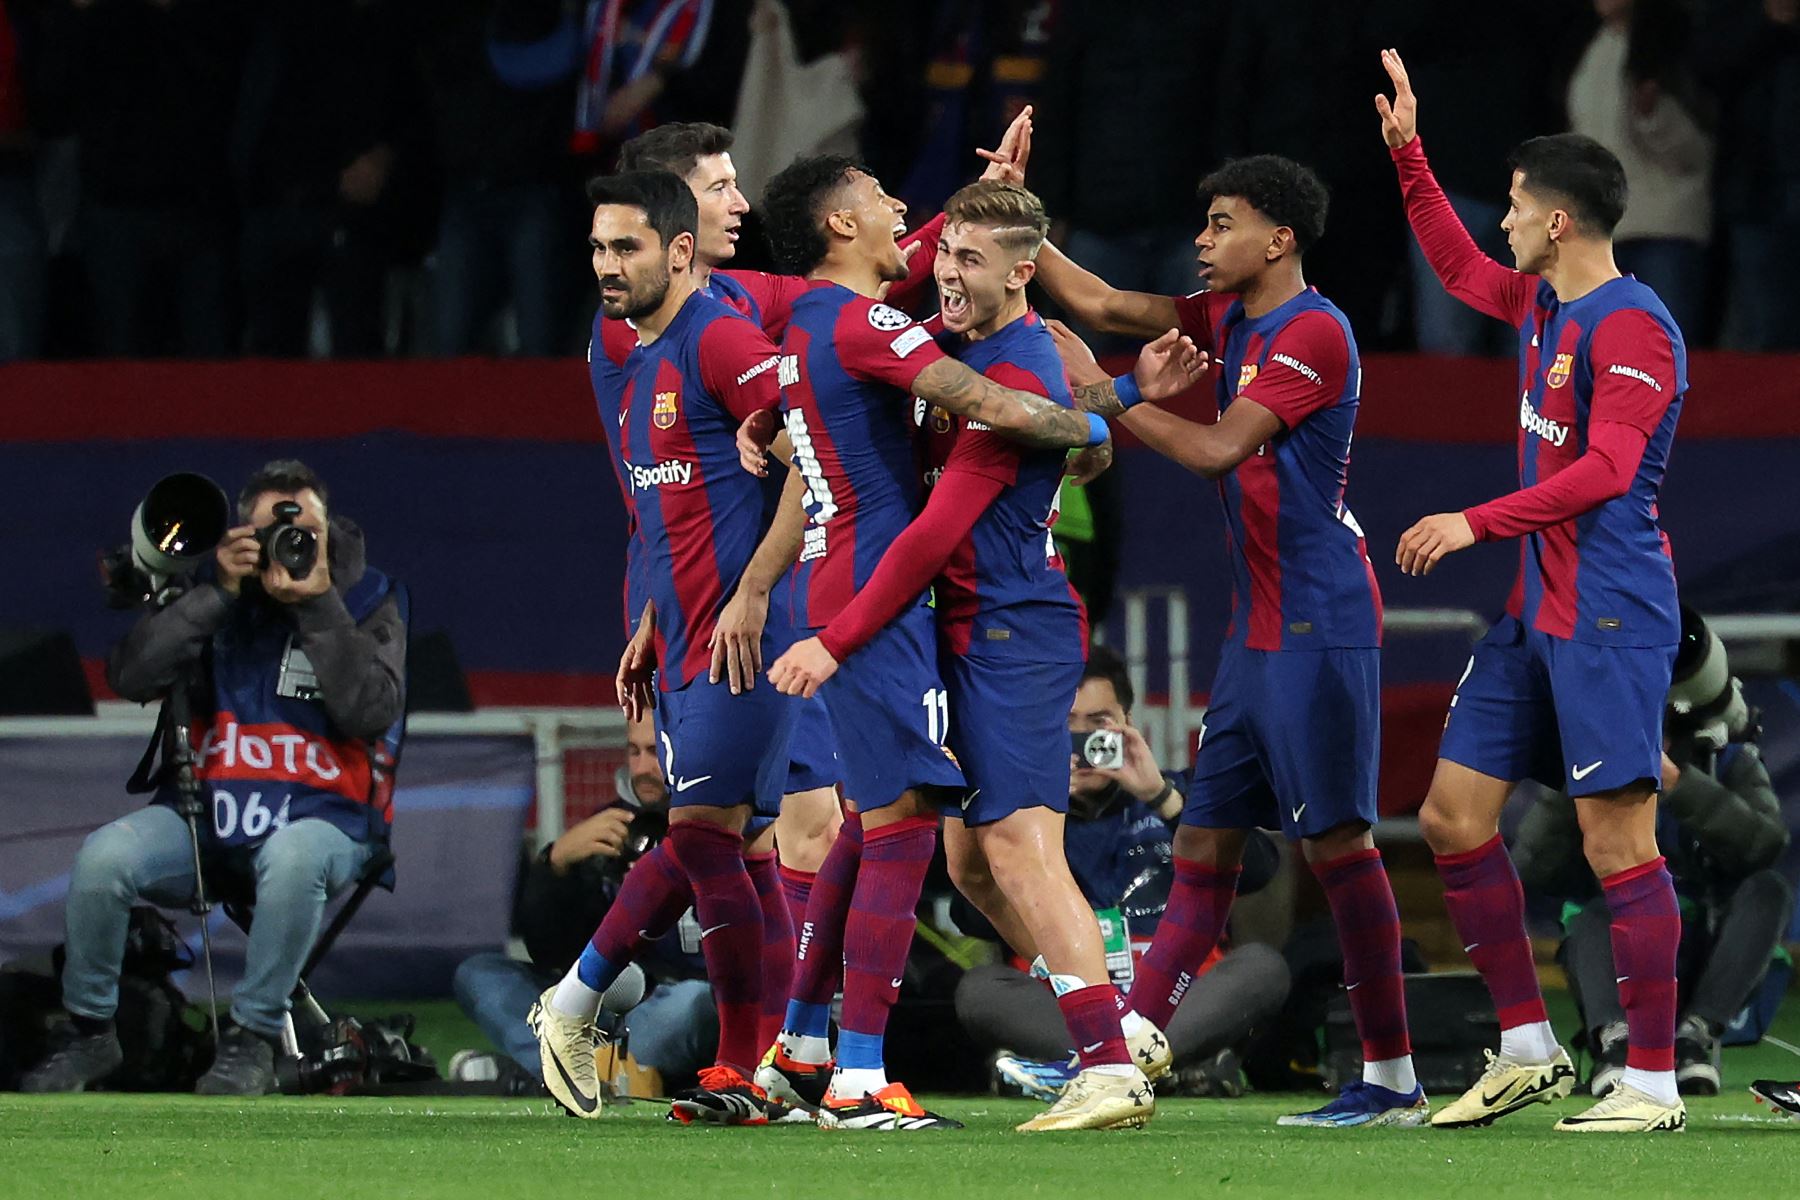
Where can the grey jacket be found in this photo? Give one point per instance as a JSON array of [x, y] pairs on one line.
[[361, 667]]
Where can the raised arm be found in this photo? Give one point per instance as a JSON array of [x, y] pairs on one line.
[[1461, 267]]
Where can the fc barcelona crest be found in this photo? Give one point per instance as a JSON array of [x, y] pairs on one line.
[[1246, 376], [664, 411], [1559, 370], [940, 419]]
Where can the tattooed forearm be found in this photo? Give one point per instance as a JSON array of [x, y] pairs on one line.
[[1019, 416], [1100, 398]]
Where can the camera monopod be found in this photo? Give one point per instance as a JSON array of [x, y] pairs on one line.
[[179, 754]]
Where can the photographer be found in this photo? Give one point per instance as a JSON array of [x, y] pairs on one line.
[[1719, 826], [296, 686], [1118, 839], [565, 890]]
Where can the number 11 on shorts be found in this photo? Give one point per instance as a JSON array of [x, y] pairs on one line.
[[937, 714]]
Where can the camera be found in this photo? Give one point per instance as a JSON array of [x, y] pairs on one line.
[[284, 542], [176, 526], [1102, 749]]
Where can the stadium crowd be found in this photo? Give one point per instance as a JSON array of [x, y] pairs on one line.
[[356, 178]]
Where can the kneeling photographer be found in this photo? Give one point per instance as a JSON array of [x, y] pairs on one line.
[[288, 652], [1719, 825]]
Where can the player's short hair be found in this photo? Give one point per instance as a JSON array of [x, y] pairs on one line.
[[288, 475], [1104, 664], [665, 198], [1578, 170], [675, 147], [1013, 215], [794, 207], [1278, 188]]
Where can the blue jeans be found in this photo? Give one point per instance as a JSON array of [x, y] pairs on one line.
[[1159, 261], [22, 270], [146, 856], [1442, 323], [497, 243], [675, 1030], [1675, 268]]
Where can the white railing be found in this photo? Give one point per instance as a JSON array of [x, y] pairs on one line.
[[551, 730]]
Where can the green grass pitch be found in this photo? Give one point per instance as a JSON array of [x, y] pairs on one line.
[[193, 1148]]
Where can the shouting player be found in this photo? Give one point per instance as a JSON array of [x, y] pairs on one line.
[[848, 363], [1012, 642], [670, 416], [1568, 686], [1292, 731]]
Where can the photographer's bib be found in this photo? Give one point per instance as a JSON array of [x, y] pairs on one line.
[[268, 755]]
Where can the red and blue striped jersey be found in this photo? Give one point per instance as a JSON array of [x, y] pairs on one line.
[[1301, 577], [671, 415], [1601, 380], [1003, 593], [847, 368], [1616, 356]]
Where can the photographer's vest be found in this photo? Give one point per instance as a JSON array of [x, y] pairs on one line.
[[269, 755]]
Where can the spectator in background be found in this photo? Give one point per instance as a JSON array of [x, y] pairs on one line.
[[500, 84], [149, 87], [1633, 93], [1124, 134], [1495, 76], [21, 223], [318, 127], [1748, 52], [564, 892], [1119, 840]]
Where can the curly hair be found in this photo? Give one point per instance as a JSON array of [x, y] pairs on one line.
[[793, 209], [1278, 188]]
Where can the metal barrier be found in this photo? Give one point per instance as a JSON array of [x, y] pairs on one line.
[[552, 731]]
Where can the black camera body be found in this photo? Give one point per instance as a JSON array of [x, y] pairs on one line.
[[295, 548]]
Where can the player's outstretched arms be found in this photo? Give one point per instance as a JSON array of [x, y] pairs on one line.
[[1022, 417], [1458, 262], [636, 664], [736, 641], [1166, 367], [1097, 304]]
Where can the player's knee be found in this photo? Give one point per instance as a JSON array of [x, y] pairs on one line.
[[1449, 828], [1612, 850]]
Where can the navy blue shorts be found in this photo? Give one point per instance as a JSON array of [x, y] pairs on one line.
[[1009, 727], [891, 714], [812, 749], [1571, 715], [720, 750], [1291, 740]]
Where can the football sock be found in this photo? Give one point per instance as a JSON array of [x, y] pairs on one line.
[[731, 935], [797, 886], [1092, 1015], [819, 948], [777, 946], [878, 934], [1487, 907], [850, 1084], [1368, 928], [1394, 1074], [651, 899], [1646, 929], [1199, 901]]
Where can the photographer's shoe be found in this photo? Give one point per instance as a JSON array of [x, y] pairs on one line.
[[76, 1062], [1505, 1087], [1099, 1099], [1627, 1110], [1696, 1058], [243, 1066], [724, 1097], [567, 1046]]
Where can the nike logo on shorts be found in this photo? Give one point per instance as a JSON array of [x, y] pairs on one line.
[[682, 785], [1298, 811], [1580, 773]]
